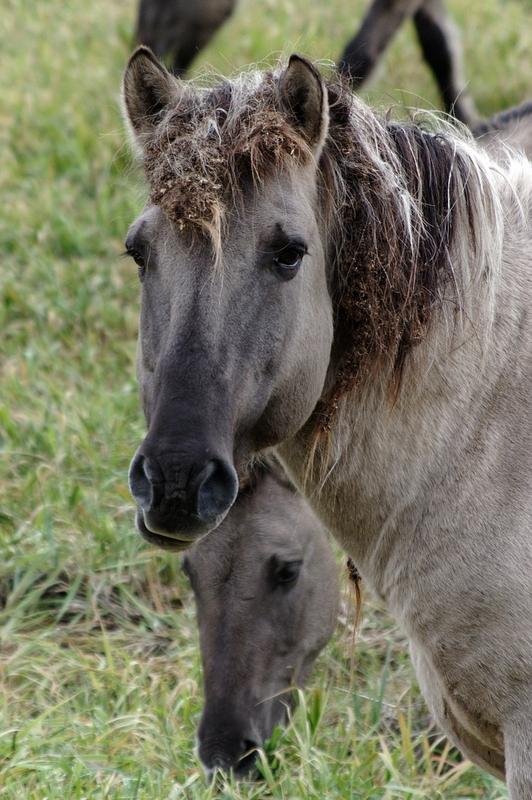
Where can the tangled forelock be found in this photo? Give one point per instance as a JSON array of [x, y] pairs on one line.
[[212, 144]]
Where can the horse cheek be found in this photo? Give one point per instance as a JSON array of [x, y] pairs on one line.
[[153, 321]]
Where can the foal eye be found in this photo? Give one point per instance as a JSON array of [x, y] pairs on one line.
[[288, 571]]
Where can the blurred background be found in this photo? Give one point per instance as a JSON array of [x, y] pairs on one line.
[[99, 662]]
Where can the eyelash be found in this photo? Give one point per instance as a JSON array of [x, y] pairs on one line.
[[139, 260], [284, 260]]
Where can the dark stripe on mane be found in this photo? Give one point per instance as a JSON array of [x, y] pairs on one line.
[[392, 233], [504, 119]]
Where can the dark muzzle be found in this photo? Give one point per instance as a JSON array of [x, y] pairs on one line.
[[234, 755], [178, 502]]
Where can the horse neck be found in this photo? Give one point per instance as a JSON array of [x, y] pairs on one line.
[[394, 436], [371, 475]]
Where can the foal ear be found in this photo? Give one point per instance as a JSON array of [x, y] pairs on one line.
[[304, 99], [147, 90]]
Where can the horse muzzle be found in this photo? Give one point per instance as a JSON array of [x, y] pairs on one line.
[[229, 753], [176, 506]]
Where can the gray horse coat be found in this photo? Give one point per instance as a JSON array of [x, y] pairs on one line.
[[356, 293]]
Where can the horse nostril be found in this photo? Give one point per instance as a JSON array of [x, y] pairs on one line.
[[140, 481], [218, 488], [249, 746], [247, 761], [212, 492]]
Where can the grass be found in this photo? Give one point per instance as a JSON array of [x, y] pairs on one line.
[[100, 676]]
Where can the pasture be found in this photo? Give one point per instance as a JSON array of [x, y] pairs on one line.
[[100, 678]]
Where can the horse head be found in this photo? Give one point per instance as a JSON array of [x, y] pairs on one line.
[[236, 320]]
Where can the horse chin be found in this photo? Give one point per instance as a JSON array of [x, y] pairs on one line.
[[246, 772], [245, 768], [180, 539]]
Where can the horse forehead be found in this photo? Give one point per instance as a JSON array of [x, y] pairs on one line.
[[155, 230], [198, 162], [152, 228], [246, 551], [280, 203], [146, 224], [285, 196]]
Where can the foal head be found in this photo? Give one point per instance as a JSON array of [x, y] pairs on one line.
[[266, 590]]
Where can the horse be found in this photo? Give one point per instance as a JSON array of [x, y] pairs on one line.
[[353, 293], [439, 41], [179, 29], [267, 597], [513, 126]]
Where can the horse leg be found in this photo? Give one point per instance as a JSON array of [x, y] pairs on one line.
[[518, 754], [441, 50], [378, 27], [192, 39], [195, 35]]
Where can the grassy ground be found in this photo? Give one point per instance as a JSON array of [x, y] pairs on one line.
[[100, 680]]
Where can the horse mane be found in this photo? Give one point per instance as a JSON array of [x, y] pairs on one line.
[[409, 203], [404, 205]]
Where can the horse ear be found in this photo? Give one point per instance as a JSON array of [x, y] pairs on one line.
[[147, 90], [304, 100]]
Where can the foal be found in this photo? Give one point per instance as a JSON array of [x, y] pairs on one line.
[[266, 590]]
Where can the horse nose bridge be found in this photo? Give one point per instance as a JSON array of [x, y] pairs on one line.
[[182, 475], [199, 371], [196, 353], [191, 401]]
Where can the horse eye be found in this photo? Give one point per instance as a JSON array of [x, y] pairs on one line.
[[139, 261], [288, 571], [290, 258]]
